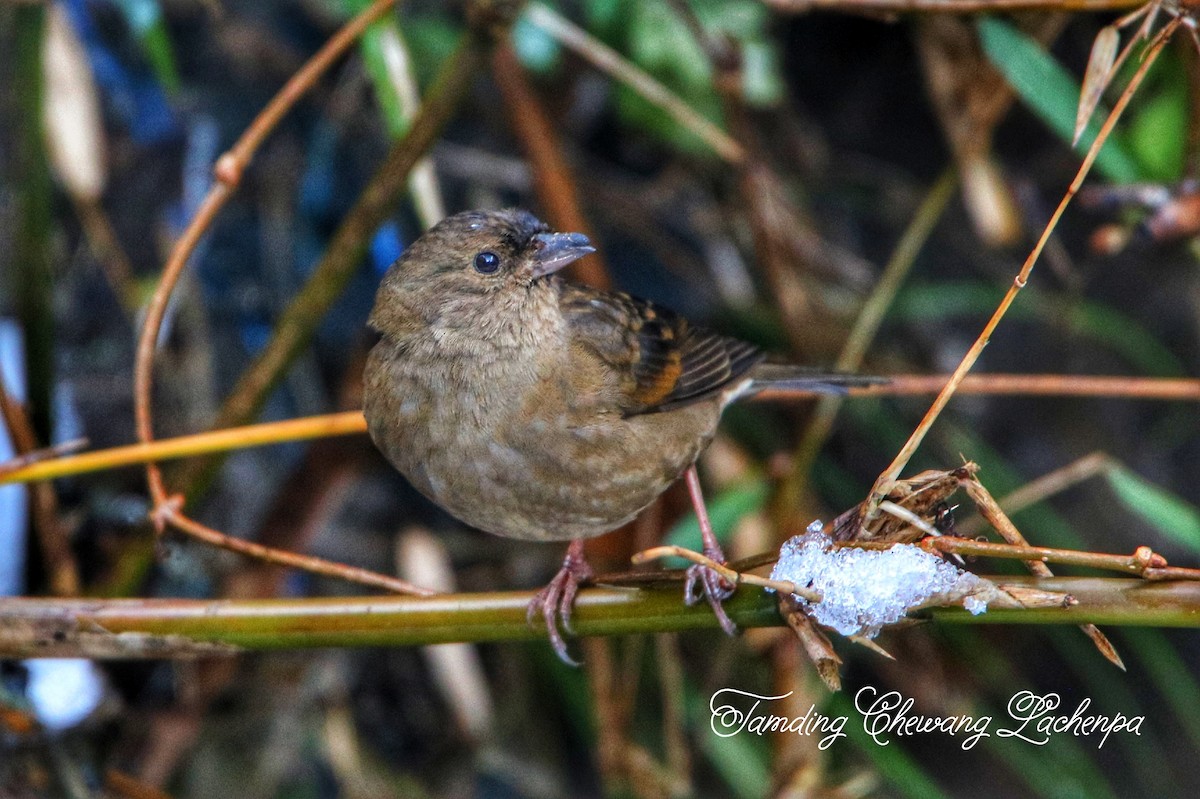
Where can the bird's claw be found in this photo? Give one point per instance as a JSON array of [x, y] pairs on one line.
[[557, 600], [705, 583]]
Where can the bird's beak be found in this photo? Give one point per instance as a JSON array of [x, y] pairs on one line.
[[553, 251]]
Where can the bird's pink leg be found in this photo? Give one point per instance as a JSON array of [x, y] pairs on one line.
[[557, 599], [712, 586]]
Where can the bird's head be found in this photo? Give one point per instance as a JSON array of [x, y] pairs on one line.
[[469, 267]]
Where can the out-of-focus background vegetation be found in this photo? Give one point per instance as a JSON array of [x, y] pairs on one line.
[[112, 113]]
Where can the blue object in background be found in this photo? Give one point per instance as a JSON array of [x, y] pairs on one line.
[[61, 692], [135, 96], [386, 246], [14, 498]]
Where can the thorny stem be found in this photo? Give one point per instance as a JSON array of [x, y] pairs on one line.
[[51, 464], [892, 472]]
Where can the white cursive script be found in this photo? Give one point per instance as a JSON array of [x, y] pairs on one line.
[[889, 714], [1037, 723], [730, 719]]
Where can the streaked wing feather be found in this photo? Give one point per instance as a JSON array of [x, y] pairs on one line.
[[661, 361]]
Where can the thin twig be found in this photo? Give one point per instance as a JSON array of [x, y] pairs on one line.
[[1056, 482], [1144, 562], [280, 557], [61, 567], [228, 171], [234, 438], [299, 320], [892, 472], [670, 550], [27, 459], [990, 510], [904, 514], [1149, 388]]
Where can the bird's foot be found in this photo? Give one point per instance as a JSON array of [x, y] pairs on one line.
[[705, 583], [712, 586], [557, 599]]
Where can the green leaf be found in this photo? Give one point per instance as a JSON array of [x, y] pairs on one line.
[[1175, 518], [742, 760], [431, 40], [372, 46], [1158, 127], [1052, 93], [905, 773], [1083, 318]]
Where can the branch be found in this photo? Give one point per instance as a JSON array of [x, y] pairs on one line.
[[166, 628]]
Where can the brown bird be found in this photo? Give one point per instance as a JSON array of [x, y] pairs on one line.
[[538, 409]]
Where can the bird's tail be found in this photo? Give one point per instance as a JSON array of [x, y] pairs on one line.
[[787, 377]]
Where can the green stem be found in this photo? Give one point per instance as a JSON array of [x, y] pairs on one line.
[[34, 278], [159, 628]]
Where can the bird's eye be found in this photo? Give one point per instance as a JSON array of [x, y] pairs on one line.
[[487, 262]]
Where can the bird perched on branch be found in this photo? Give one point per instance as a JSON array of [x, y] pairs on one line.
[[534, 408]]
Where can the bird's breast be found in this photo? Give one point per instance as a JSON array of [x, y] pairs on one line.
[[524, 450]]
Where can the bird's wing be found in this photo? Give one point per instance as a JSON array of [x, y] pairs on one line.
[[658, 360]]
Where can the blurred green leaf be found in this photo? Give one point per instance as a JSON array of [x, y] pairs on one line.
[[1158, 127], [653, 35], [1175, 518], [1082, 318], [904, 772], [372, 46], [1169, 674], [431, 41], [762, 84], [1052, 93], [741, 760], [603, 16]]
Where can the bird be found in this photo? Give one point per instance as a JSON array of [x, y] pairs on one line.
[[535, 408]]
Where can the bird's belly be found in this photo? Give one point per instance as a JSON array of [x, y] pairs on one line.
[[541, 479]]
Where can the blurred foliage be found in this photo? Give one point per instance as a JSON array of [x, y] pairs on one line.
[[1053, 94]]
